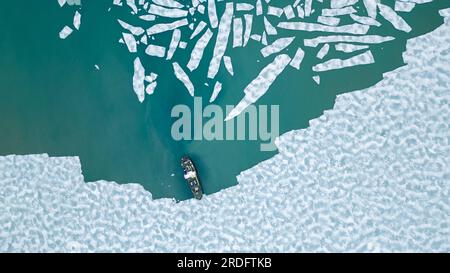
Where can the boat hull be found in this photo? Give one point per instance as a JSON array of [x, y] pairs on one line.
[[191, 177]]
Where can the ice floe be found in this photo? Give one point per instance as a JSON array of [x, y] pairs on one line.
[[184, 78], [308, 7], [397, 21], [163, 27], [326, 20], [404, 6], [61, 2], [198, 29], [155, 50], [298, 58], [167, 12], [244, 7], [138, 80], [274, 11], [371, 7], [274, 28], [325, 200], [338, 12], [212, 13], [130, 41], [132, 29], [228, 64], [132, 5], [151, 78], [337, 4], [323, 51], [237, 32], [365, 20], [289, 12], [349, 48], [271, 30], [174, 42], [222, 40], [148, 17], [259, 8], [316, 79], [367, 39], [151, 88], [277, 46], [65, 32], [361, 59], [259, 86], [169, 3], [350, 29], [197, 52], [216, 91], [77, 20], [248, 19]]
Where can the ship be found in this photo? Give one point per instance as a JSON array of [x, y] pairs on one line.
[[191, 177]]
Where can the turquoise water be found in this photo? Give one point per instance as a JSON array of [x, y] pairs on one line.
[[52, 100]]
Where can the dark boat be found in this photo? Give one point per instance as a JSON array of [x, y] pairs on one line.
[[191, 176]]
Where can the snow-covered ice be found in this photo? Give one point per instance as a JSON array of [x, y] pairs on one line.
[[167, 12], [331, 21], [137, 31], [138, 79], [65, 32], [274, 11], [289, 12], [130, 41], [228, 64], [248, 19], [174, 42], [350, 29], [155, 50], [197, 52], [337, 4], [298, 58], [216, 91], [244, 7], [222, 40], [212, 13], [370, 175], [151, 88], [404, 6], [259, 86], [198, 29], [371, 7], [183, 77], [237, 32], [163, 27], [366, 39], [365, 20], [271, 30], [276, 46], [323, 51], [338, 12], [390, 15], [348, 48], [360, 59], [77, 20], [316, 78]]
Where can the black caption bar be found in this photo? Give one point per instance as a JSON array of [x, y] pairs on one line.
[[216, 262]]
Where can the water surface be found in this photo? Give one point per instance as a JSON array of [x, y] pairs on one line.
[[53, 101]]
